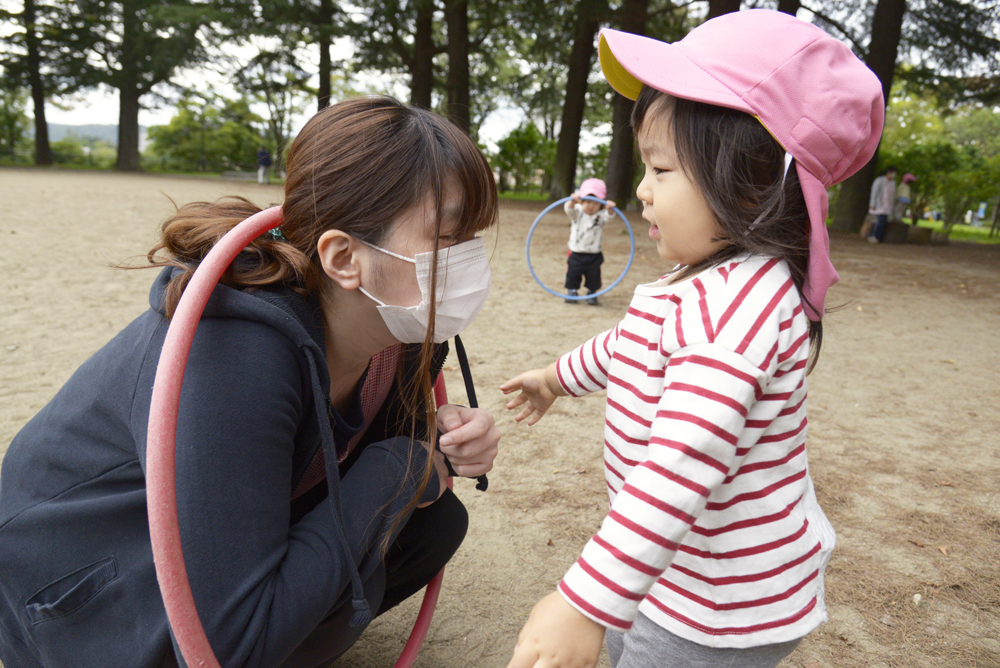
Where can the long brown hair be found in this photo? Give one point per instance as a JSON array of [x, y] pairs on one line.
[[738, 167], [356, 167]]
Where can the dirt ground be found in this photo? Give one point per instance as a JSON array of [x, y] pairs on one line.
[[903, 441]]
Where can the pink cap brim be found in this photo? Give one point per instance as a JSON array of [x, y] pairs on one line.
[[629, 61], [821, 272]]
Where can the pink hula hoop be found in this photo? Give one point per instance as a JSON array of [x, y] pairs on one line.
[[161, 490]]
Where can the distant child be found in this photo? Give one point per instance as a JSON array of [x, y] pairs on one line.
[[587, 221], [903, 193], [714, 548]]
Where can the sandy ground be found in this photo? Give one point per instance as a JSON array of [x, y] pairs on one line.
[[904, 416]]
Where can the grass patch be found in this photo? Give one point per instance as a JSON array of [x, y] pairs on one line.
[[524, 197], [961, 232]]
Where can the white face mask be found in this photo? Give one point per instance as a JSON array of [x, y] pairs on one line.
[[463, 283]]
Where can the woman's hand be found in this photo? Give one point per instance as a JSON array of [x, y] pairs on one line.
[[539, 389], [470, 439], [557, 635]]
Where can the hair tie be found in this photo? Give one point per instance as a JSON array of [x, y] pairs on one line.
[[276, 234]]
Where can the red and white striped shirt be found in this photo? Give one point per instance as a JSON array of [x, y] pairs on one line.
[[714, 531]]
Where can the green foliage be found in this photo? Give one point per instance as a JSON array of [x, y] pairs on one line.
[[208, 133], [911, 118], [977, 127], [929, 162], [14, 122], [136, 44], [977, 180], [593, 163], [956, 42], [277, 80], [524, 156], [83, 152], [951, 150]]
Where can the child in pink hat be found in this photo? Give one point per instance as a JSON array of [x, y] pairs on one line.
[[587, 221], [714, 548]]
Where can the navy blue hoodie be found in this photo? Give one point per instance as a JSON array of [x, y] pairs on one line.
[[77, 582]]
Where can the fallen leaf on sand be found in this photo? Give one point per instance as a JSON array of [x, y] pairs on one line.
[[916, 542], [550, 542], [947, 361], [943, 550]]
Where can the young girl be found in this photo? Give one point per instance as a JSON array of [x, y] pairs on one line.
[[308, 500], [714, 548]]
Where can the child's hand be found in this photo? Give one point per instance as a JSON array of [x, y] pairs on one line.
[[539, 389], [557, 636], [470, 439], [611, 205]]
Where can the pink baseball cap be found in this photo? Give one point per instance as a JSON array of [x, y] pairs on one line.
[[595, 187], [908, 177], [821, 103]]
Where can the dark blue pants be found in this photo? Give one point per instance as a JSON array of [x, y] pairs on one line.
[[879, 230], [586, 267], [424, 545]]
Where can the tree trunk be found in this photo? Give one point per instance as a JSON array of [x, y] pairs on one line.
[[43, 152], [720, 7], [789, 6], [128, 130], [325, 65], [422, 71], [887, 26], [995, 228], [128, 96], [457, 17], [581, 57], [621, 158]]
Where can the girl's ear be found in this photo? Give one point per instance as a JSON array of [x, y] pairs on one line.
[[339, 259]]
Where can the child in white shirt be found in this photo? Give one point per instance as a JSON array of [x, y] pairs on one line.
[[587, 221]]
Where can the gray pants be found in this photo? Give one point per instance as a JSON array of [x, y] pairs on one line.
[[647, 645]]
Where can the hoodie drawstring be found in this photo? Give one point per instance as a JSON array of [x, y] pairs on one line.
[[362, 611]]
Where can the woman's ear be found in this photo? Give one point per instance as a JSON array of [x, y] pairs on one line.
[[337, 256]]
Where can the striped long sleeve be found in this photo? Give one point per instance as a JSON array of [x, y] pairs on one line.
[[713, 530]]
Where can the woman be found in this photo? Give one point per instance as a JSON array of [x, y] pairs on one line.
[[320, 345]]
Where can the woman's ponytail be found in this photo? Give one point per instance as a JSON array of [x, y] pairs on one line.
[[193, 230]]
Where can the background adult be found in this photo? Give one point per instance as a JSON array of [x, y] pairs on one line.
[[263, 164], [881, 202]]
